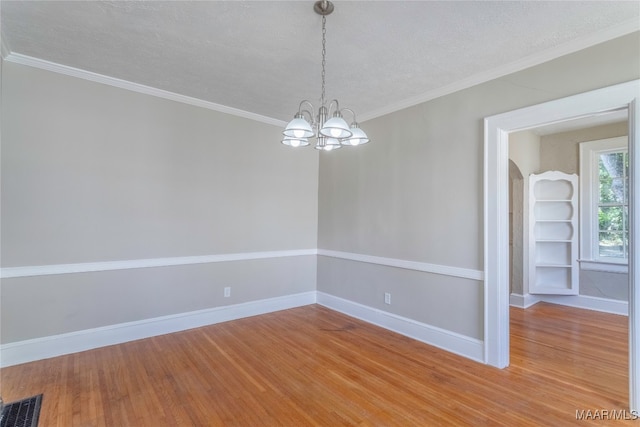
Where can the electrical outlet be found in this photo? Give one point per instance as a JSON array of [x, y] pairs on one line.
[[227, 292], [387, 298]]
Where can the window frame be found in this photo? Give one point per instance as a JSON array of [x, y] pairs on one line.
[[590, 152]]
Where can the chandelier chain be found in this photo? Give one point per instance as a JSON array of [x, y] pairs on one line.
[[324, 52], [330, 130]]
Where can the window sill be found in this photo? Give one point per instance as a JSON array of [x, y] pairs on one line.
[[609, 267]]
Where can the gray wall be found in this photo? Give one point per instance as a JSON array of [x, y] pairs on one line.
[[560, 151], [415, 192], [93, 173], [524, 155]]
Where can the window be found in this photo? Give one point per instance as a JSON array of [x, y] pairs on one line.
[[604, 204], [613, 172]]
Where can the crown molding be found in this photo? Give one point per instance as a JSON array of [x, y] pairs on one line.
[[135, 87], [524, 63], [611, 33]]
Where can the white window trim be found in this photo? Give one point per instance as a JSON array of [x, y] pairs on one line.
[[589, 187], [609, 267]]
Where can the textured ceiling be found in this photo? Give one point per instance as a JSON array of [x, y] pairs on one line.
[[264, 57]]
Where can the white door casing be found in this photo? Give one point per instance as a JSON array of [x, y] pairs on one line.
[[496, 209]]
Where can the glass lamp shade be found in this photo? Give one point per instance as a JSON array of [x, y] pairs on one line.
[[327, 144], [298, 128], [336, 127], [295, 142], [357, 138]]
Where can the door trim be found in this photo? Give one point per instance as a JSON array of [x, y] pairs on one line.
[[496, 211]]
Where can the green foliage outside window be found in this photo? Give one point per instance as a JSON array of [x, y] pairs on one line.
[[613, 204]]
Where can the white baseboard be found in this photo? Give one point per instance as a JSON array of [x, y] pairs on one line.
[[57, 345], [579, 301], [450, 341], [590, 303], [523, 301]]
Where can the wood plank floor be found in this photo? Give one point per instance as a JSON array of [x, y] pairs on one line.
[[313, 366]]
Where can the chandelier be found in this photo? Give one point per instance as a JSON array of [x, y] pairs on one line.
[[328, 127]]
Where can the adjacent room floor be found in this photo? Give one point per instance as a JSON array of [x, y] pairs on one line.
[[314, 366]]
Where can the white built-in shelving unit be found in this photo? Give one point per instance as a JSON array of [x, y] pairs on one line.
[[553, 233]]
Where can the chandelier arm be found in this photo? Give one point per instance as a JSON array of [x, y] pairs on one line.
[[352, 113], [328, 126], [309, 113], [300, 110], [337, 108], [304, 101]]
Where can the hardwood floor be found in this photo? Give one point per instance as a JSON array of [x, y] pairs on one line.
[[313, 366]]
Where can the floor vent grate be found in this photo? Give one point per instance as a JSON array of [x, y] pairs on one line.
[[23, 413]]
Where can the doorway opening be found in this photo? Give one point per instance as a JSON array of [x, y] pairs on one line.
[[497, 129], [570, 252]]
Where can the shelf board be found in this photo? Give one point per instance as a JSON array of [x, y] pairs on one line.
[[553, 224]]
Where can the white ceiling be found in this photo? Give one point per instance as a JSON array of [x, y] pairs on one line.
[[264, 57]]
